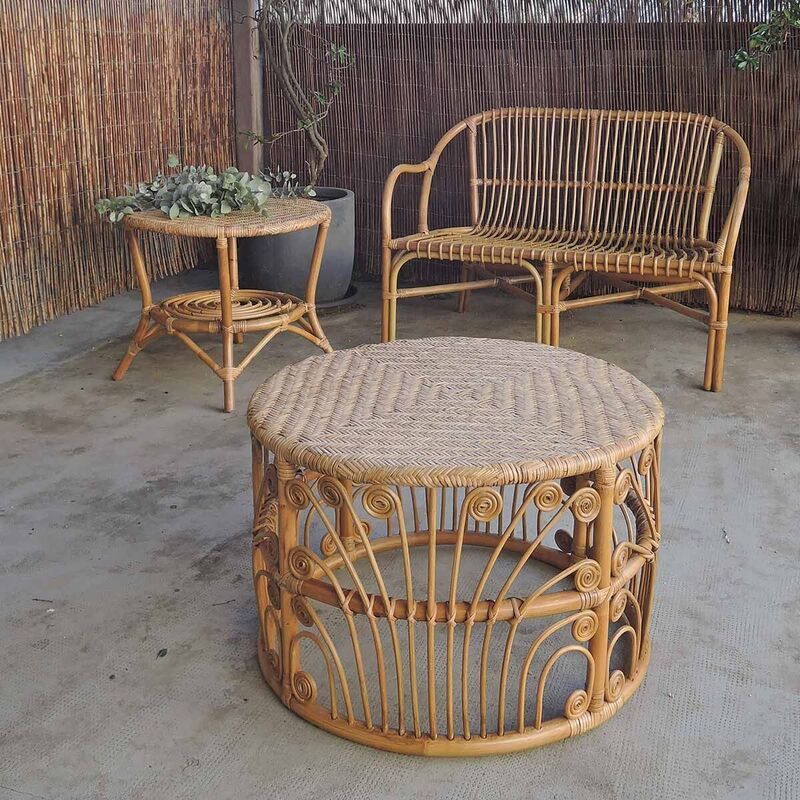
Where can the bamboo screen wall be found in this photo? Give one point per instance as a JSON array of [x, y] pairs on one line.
[[94, 94], [422, 66]]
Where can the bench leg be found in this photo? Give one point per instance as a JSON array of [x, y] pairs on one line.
[[721, 331], [463, 297], [386, 266], [546, 308], [555, 320], [390, 294]]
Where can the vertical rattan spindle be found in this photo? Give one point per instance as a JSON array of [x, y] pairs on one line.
[[580, 530], [602, 548], [287, 539]]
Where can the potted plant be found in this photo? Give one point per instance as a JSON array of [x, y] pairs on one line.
[[280, 263]]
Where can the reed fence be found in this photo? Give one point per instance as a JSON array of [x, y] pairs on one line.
[[422, 67], [94, 94]]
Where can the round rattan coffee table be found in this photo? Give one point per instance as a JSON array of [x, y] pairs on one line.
[[230, 312], [455, 542]]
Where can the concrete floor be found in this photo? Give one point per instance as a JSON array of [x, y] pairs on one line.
[[124, 510]]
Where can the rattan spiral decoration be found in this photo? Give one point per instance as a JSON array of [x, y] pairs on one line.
[[615, 685], [330, 491], [577, 704], [622, 486], [548, 496], [328, 545], [585, 626], [301, 611], [379, 501], [619, 559], [304, 687], [297, 493], [646, 460], [271, 548], [619, 603], [484, 504], [585, 504], [587, 576], [301, 563]]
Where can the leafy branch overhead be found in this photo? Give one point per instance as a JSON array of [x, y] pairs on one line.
[[769, 36], [285, 39]]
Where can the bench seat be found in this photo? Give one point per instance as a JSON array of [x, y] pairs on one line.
[[583, 251]]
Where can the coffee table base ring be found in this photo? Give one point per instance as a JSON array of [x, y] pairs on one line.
[[550, 732]]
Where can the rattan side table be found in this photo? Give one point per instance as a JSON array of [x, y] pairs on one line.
[[230, 311], [454, 542]]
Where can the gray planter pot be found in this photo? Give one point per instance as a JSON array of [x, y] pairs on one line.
[[280, 263]]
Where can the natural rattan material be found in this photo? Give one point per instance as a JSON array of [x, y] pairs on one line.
[[282, 216], [380, 472], [558, 193], [231, 311], [454, 412]]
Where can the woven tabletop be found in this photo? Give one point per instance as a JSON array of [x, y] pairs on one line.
[[282, 216], [454, 412]]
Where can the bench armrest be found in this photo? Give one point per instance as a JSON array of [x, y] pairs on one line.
[[388, 192], [726, 244]]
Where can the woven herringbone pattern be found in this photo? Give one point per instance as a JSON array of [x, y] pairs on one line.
[[454, 412]]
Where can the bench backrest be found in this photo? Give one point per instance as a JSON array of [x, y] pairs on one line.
[[632, 174]]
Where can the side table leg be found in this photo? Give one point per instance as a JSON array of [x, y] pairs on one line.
[[233, 262], [227, 323], [311, 286], [140, 333]]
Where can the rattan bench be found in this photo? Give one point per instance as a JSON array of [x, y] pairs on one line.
[[558, 194]]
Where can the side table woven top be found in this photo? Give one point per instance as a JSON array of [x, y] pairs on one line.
[[282, 216], [454, 412]]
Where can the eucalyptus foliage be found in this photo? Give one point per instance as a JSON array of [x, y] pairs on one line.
[[286, 184], [192, 192]]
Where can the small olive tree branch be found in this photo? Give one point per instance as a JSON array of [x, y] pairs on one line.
[[279, 27], [769, 36]]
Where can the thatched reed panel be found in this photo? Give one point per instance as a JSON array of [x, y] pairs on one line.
[[421, 67], [94, 94]]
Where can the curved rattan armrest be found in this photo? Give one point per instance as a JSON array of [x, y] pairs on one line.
[[726, 244], [388, 193]]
